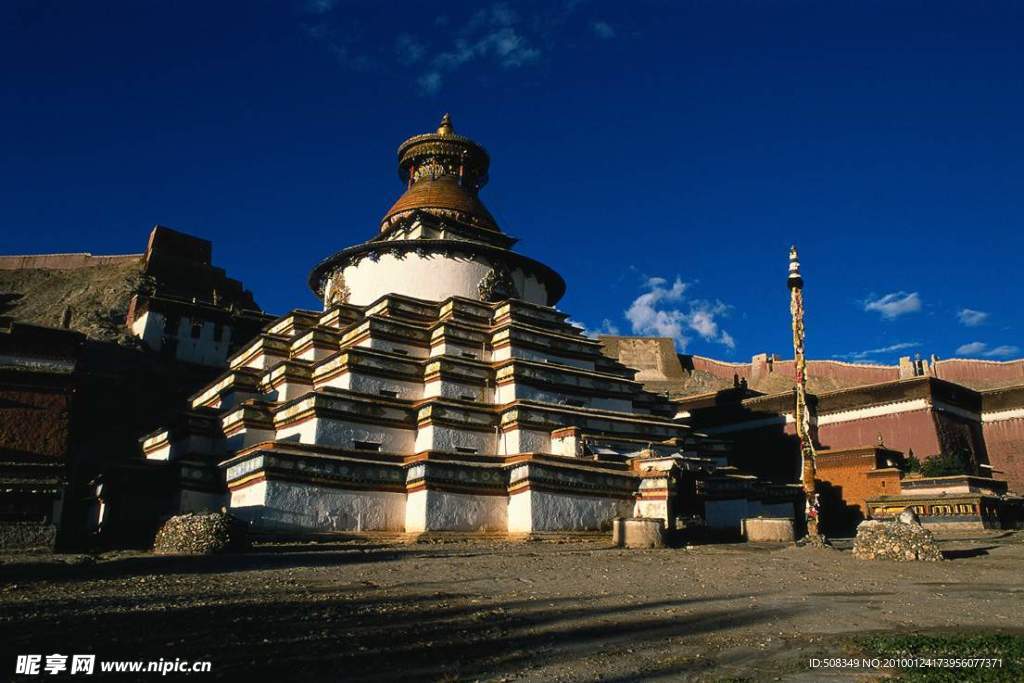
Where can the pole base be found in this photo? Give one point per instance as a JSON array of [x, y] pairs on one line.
[[814, 541]]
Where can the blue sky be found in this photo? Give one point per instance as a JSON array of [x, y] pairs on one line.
[[662, 156]]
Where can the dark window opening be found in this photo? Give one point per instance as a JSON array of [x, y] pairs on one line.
[[467, 397], [467, 354], [576, 403], [400, 352], [171, 325], [467, 451], [366, 446], [197, 329], [218, 332], [388, 393]]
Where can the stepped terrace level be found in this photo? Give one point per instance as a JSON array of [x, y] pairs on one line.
[[413, 415]]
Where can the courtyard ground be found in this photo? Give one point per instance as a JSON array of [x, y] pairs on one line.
[[557, 610]]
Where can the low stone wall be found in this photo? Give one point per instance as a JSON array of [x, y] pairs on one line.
[[894, 541], [27, 536]]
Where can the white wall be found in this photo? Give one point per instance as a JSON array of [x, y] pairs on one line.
[[524, 441], [387, 346], [655, 509], [512, 391], [280, 504], [204, 350], [444, 438], [513, 351], [448, 348], [342, 434], [444, 511], [247, 437], [434, 278], [726, 514], [465, 392], [542, 511]]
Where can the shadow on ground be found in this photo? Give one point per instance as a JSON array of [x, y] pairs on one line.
[[303, 632]]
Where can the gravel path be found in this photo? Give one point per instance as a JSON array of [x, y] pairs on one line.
[[496, 610]]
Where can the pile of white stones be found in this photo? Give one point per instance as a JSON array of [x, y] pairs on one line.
[[201, 534], [902, 540]]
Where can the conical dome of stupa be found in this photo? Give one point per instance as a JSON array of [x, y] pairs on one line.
[[443, 172]]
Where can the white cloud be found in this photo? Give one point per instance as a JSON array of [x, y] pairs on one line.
[[408, 49], [893, 305], [603, 30], [429, 82], [981, 349], [320, 6], [606, 327], [650, 314], [971, 318], [864, 355], [493, 35], [972, 349], [338, 45]]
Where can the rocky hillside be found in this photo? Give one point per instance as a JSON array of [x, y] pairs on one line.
[[98, 296]]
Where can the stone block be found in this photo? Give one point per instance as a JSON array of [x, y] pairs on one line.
[[640, 532], [768, 530]]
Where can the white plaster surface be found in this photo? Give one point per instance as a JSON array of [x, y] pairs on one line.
[[524, 441], [520, 515], [458, 390], [445, 438], [306, 506], [389, 346], [434, 278], [445, 511], [653, 509], [247, 437], [514, 351], [448, 348], [543, 511], [203, 350]]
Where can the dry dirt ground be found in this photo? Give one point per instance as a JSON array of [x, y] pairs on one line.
[[533, 611]]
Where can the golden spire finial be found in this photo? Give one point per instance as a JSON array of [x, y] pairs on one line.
[[446, 127]]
